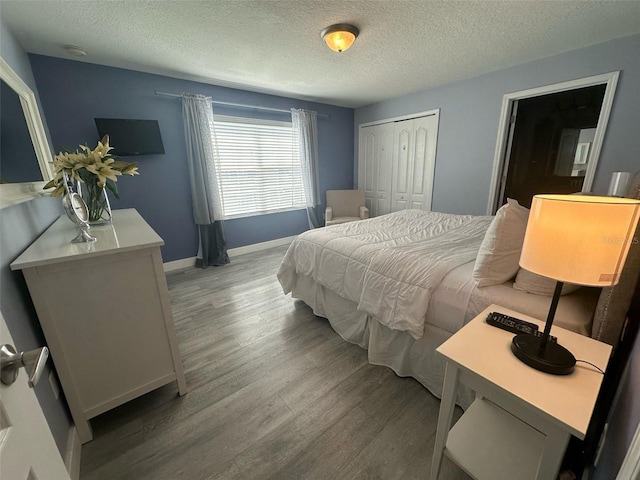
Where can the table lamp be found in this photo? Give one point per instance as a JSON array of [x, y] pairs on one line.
[[577, 239]]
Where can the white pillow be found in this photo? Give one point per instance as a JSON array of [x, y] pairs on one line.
[[499, 255], [531, 282]]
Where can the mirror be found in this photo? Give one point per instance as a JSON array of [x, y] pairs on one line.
[[25, 167], [573, 155]]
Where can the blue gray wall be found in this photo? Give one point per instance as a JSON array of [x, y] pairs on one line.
[[74, 93], [20, 225], [470, 113]]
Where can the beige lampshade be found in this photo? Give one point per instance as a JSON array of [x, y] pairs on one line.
[[579, 239], [340, 37]]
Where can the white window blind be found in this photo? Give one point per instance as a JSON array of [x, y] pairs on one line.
[[259, 166]]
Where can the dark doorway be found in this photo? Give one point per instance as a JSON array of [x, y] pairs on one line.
[[551, 142]]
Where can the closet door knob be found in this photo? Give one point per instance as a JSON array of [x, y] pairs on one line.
[[11, 361]]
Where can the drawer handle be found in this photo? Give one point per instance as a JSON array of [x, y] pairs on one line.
[[11, 361]]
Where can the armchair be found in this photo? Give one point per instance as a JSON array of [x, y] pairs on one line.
[[345, 206]]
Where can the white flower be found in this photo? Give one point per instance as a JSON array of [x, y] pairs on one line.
[[95, 166]]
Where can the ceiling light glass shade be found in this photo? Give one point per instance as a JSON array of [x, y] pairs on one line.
[[579, 239], [339, 37]]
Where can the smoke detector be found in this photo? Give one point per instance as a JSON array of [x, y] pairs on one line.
[[75, 51]]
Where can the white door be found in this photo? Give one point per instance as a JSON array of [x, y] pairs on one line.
[[414, 157], [27, 448], [425, 132], [505, 169], [374, 175], [384, 151], [403, 140], [366, 166]]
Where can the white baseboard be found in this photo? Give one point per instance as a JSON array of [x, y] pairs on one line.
[[178, 264], [256, 247], [72, 453], [233, 252]]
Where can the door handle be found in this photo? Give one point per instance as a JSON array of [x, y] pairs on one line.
[[11, 361]]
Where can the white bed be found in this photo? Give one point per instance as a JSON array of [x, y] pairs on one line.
[[401, 284]]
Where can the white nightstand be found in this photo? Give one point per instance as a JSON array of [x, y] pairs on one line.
[[521, 421]]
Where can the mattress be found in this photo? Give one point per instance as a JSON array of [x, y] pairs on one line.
[[458, 300], [389, 266]]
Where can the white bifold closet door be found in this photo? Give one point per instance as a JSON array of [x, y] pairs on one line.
[[413, 163], [376, 149], [397, 163]]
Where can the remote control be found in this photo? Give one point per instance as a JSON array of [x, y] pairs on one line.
[[510, 324], [515, 325]]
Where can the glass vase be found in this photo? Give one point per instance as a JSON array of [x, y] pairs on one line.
[[97, 202]]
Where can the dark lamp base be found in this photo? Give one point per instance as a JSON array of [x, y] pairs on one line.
[[554, 359]]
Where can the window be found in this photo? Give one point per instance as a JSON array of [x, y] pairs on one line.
[[259, 166]]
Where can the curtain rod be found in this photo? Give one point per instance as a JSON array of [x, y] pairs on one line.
[[237, 105]]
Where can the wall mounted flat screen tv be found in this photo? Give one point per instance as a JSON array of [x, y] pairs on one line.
[[131, 137]]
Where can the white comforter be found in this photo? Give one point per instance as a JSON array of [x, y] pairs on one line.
[[388, 265]]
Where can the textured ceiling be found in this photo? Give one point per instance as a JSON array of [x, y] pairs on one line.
[[274, 46]]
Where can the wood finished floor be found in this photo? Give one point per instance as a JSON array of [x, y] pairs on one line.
[[274, 393]]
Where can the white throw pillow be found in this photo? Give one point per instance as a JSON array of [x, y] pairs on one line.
[[531, 282], [499, 255]]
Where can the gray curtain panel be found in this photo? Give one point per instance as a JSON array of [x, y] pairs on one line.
[[305, 126], [203, 164], [213, 245]]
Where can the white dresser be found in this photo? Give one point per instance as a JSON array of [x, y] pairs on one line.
[[105, 312]]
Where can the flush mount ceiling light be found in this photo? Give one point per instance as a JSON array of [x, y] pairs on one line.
[[75, 51], [340, 37]]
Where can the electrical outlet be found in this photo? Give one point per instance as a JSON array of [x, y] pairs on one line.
[[55, 384]]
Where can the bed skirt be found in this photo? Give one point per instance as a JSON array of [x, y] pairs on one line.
[[406, 356]]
